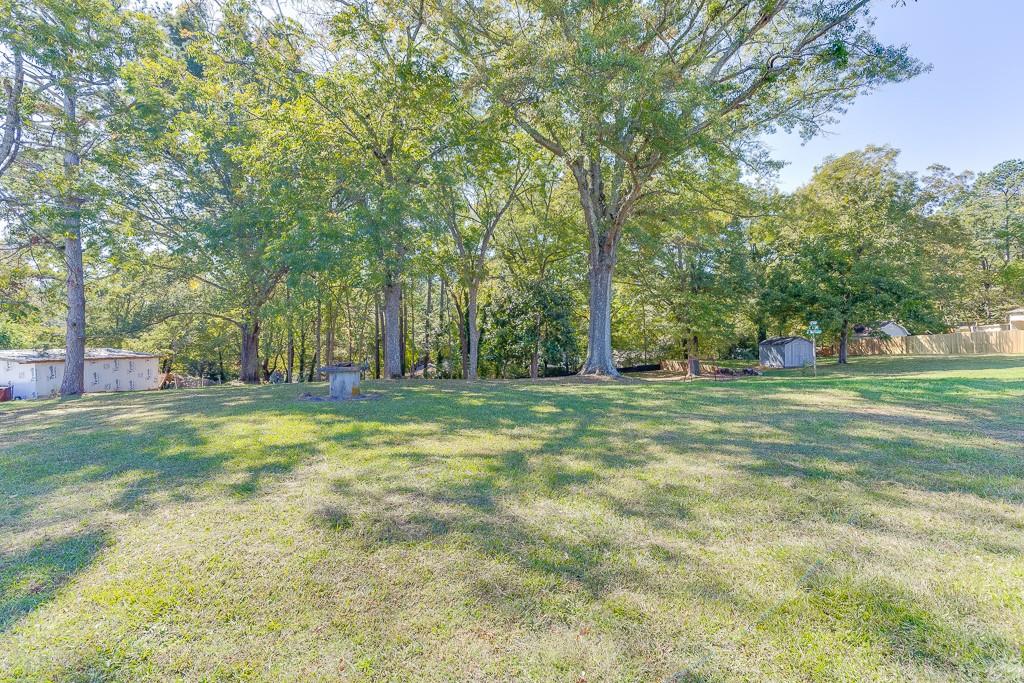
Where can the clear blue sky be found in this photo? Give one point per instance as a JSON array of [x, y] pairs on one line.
[[966, 113]]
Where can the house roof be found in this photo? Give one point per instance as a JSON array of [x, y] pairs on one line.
[[1016, 311], [772, 341], [50, 355]]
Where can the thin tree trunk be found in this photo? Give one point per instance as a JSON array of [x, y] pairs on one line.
[[376, 336], [535, 355], [316, 349], [392, 330], [411, 325], [427, 325], [329, 343], [442, 306], [404, 330], [472, 332], [463, 338], [844, 333], [302, 351], [73, 383]]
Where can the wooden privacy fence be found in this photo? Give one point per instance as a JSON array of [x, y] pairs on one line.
[[955, 344]]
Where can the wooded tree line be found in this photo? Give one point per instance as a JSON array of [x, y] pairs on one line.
[[458, 189]]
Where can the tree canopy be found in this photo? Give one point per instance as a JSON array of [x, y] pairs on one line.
[[460, 189]]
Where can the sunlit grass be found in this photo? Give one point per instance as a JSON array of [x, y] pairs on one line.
[[867, 524]]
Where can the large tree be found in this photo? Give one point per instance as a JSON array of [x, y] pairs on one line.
[[476, 184], [203, 189], [854, 248], [378, 113], [67, 57], [993, 211], [620, 91]]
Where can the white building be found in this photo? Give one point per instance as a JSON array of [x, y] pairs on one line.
[[38, 373], [1015, 319]]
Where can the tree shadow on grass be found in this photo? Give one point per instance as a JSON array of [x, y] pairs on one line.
[[31, 578]]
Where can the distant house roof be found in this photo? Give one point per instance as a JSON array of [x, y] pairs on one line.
[[869, 330], [1016, 311], [772, 341], [50, 355]]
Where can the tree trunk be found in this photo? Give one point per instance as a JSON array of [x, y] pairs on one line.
[[844, 333], [599, 330], [442, 328], [73, 383], [472, 332], [249, 370], [376, 336], [427, 325], [463, 338], [392, 330], [329, 341], [313, 374]]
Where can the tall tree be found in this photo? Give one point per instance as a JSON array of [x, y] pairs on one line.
[[203, 187], [477, 183], [380, 109], [993, 209], [620, 91], [69, 54], [852, 247]]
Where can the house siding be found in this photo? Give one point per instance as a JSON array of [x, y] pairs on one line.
[[40, 380]]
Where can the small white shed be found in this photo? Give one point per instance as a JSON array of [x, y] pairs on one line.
[[786, 352], [38, 373]]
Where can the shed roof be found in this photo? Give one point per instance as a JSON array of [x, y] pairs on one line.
[[51, 355], [777, 341]]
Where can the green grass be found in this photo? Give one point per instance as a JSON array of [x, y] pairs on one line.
[[867, 524]]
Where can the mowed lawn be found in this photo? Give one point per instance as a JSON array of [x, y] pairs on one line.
[[867, 524]]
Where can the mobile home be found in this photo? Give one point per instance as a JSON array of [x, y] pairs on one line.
[[34, 373]]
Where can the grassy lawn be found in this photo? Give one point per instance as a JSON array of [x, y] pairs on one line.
[[867, 524]]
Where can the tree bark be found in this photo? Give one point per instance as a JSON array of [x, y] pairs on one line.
[[472, 331], [844, 333], [599, 330], [329, 341], [392, 330], [463, 337], [249, 365], [313, 371], [73, 383], [376, 336], [427, 326]]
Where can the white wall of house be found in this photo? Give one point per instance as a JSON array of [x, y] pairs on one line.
[[21, 376], [42, 379]]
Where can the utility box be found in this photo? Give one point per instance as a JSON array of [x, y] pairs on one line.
[[344, 381]]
